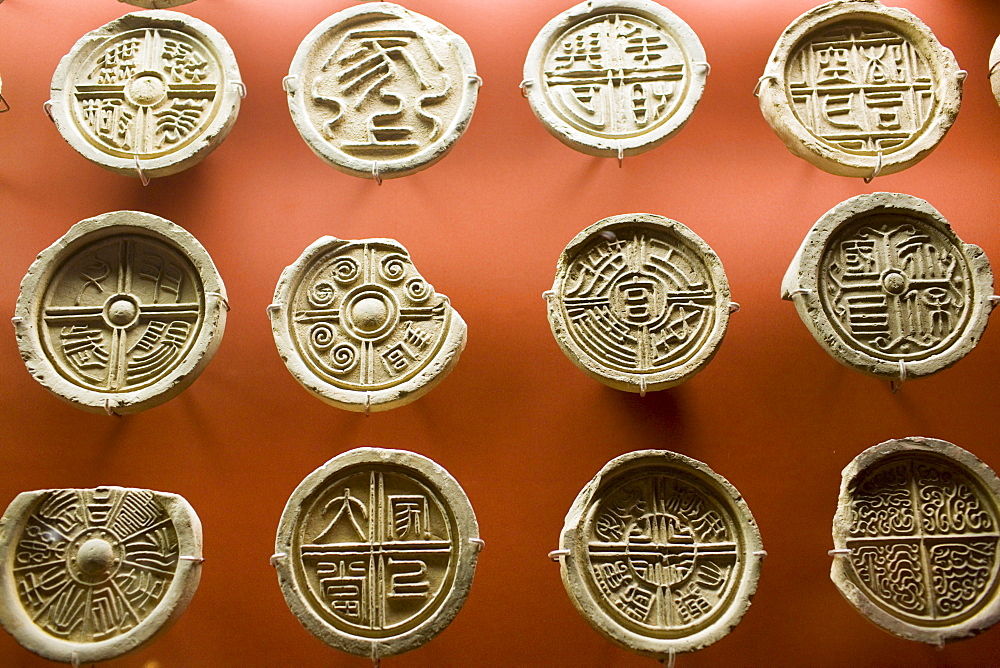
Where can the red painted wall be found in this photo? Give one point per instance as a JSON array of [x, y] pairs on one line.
[[516, 423]]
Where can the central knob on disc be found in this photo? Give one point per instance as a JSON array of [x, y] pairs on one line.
[[894, 282], [122, 311], [369, 314], [147, 89], [96, 556]]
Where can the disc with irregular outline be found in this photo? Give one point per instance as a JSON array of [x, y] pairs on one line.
[[155, 90], [860, 89], [156, 4], [995, 69], [120, 314], [660, 554], [615, 77], [91, 574], [376, 551], [916, 538], [887, 288]]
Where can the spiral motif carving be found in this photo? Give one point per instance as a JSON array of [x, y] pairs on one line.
[[343, 357], [346, 270], [321, 294], [322, 336], [418, 290], [392, 268]]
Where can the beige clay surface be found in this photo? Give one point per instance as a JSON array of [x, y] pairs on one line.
[[660, 554], [120, 314], [639, 302], [358, 327], [860, 89], [378, 91], [376, 551], [92, 574], [887, 288], [153, 91], [615, 77], [995, 69], [915, 537]]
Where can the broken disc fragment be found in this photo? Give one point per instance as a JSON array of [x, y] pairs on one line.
[[660, 554], [376, 551], [639, 302], [995, 69], [91, 574], [378, 91], [149, 94], [916, 540], [615, 77], [358, 327], [887, 288], [860, 89], [120, 314]]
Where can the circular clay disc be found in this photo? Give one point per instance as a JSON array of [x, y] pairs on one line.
[[376, 551], [378, 91], [639, 302], [91, 574], [995, 69], [887, 288], [359, 328], [156, 4], [615, 77], [154, 91], [120, 314], [916, 540], [660, 554], [859, 89]]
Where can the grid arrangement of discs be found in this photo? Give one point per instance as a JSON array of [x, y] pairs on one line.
[[377, 547]]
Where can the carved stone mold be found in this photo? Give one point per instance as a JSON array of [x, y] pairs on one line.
[[376, 551], [887, 288], [358, 327], [378, 91], [995, 69], [916, 538], [120, 314], [859, 89], [660, 554], [149, 94], [91, 574], [639, 302], [615, 77]]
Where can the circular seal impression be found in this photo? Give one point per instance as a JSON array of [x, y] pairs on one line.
[[660, 554], [859, 89], [120, 314], [639, 302], [378, 91], [359, 327], [995, 69], [615, 77], [148, 94], [92, 574], [916, 540], [887, 288], [376, 551]]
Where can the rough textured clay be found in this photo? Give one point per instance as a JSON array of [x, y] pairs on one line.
[[376, 551], [995, 69], [639, 302], [916, 540], [358, 326], [660, 554], [91, 574], [859, 89], [615, 77], [156, 89], [156, 4], [378, 91], [887, 288], [120, 314]]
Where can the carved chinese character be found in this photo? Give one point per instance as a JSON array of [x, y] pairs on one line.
[[639, 302], [376, 551], [916, 537], [360, 328], [615, 78], [859, 89], [92, 574], [155, 89], [378, 91], [121, 314], [887, 288], [661, 554]]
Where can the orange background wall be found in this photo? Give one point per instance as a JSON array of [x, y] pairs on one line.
[[516, 423]]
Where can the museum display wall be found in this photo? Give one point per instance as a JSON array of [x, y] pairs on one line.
[[517, 424]]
